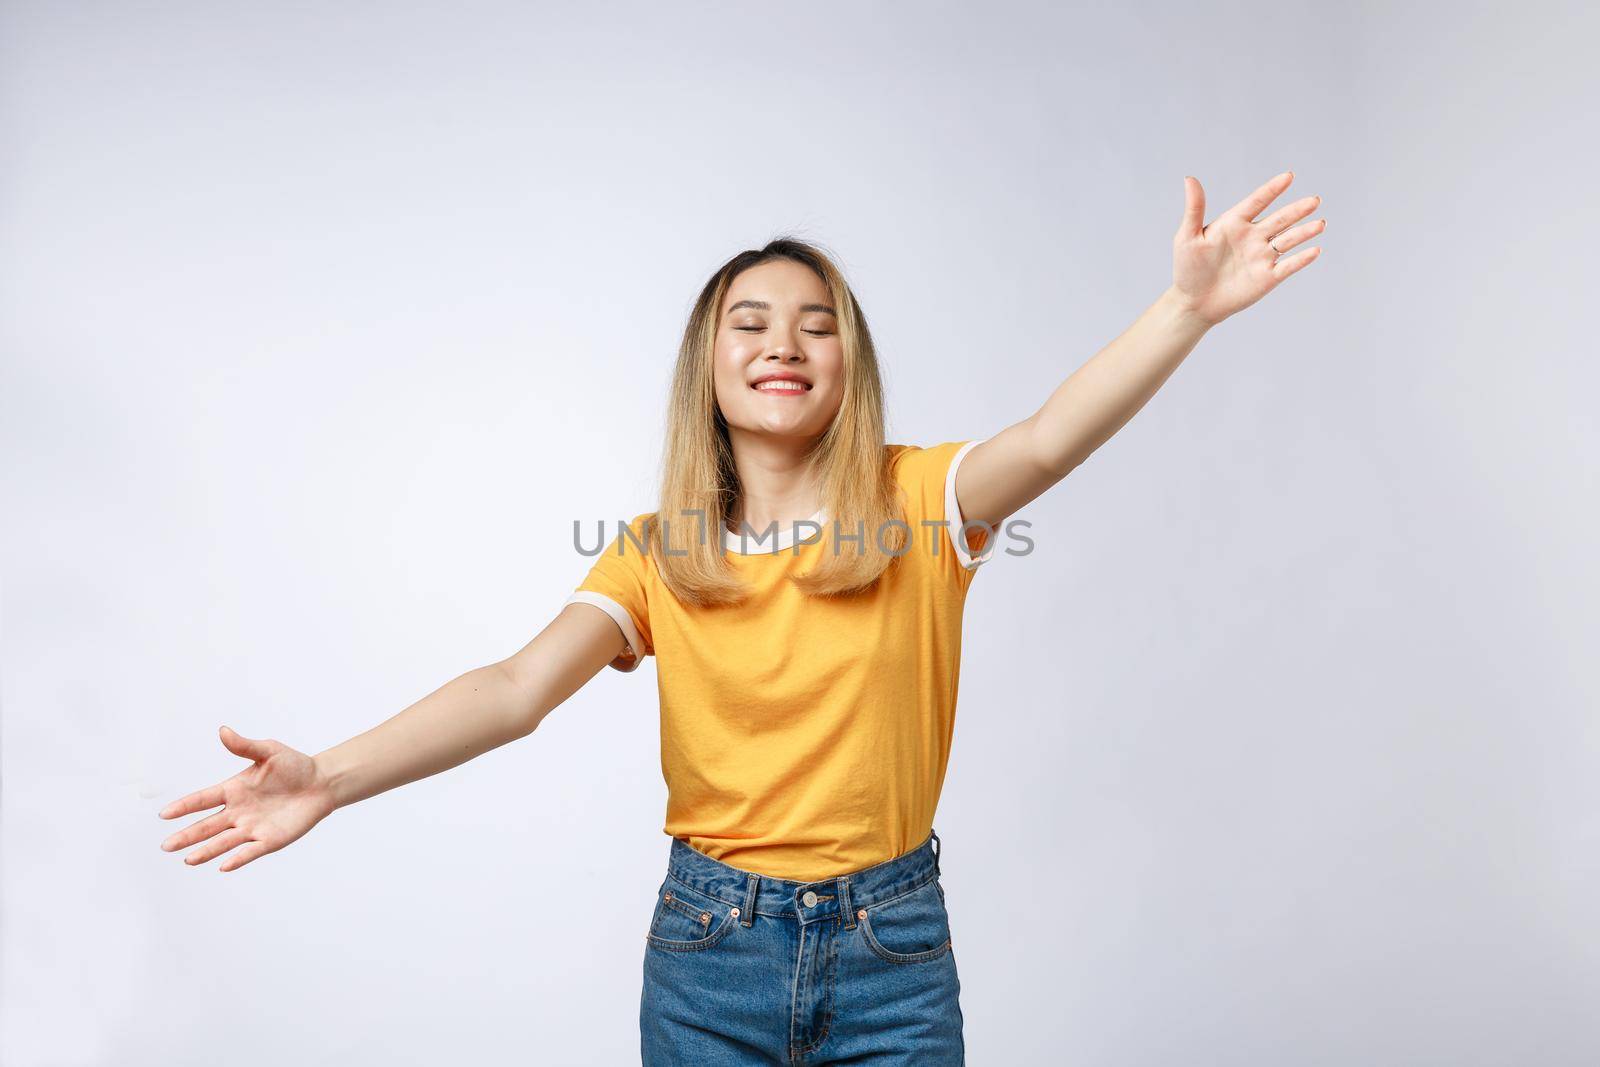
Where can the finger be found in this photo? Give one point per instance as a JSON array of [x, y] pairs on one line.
[[243, 855], [216, 846], [1298, 235], [1194, 208], [1287, 216], [1257, 202], [201, 830], [1287, 265], [205, 798], [244, 746]]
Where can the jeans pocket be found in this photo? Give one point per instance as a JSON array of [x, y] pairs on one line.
[[912, 928], [687, 920]]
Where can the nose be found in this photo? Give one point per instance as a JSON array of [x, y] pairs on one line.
[[783, 344], [784, 349]]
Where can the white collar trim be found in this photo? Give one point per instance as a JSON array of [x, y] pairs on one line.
[[760, 542]]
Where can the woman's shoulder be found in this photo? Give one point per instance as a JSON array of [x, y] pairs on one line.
[[641, 522], [910, 460], [629, 539], [897, 455]]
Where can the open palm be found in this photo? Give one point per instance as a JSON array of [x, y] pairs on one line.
[[266, 806], [1225, 267]]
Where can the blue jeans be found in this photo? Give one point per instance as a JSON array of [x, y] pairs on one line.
[[743, 969]]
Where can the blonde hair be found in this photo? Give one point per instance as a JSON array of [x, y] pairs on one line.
[[698, 473]]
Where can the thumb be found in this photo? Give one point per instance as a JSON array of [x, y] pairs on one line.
[[244, 746], [1194, 208]]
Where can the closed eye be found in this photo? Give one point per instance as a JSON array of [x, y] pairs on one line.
[[814, 333]]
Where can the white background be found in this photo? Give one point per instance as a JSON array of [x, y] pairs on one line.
[[322, 323]]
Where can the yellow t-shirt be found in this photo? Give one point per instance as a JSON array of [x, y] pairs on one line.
[[806, 738]]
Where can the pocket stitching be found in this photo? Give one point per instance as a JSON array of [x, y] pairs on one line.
[[903, 957], [721, 930], [685, 909]]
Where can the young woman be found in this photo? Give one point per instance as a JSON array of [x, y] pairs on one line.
[[801, 585]]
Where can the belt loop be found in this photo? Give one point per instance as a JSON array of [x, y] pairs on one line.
[[747, 914], [936, 850], [845, 905]]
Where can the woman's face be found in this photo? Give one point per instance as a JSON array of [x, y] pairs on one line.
[[777, 320]]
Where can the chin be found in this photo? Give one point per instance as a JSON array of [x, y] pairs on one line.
[[785, 430]]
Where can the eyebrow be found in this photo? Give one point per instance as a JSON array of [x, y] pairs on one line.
[[762, 305]]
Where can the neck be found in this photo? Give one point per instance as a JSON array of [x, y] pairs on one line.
[[776, 480]]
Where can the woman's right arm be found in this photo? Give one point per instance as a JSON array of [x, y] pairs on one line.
[[284, 793], [481, 710]]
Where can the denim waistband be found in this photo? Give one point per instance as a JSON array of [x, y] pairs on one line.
[[805, 902]]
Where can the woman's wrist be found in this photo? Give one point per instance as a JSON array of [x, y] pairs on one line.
[[1182, 310], [333, 782]]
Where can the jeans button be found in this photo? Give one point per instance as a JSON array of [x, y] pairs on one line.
[[809, 900]]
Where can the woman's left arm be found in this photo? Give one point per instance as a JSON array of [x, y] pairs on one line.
[[1217, 271]]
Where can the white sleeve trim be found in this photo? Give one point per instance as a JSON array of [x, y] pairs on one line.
[[952, 514], [630, 657]]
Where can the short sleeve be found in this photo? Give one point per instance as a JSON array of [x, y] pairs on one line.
[[617, 584], [928, 476]]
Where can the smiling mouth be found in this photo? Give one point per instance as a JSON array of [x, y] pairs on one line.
[[781, 387]]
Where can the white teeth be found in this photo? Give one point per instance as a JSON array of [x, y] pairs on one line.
[[789, 387]]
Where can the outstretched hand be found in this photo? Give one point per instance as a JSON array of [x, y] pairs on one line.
[[266, 806], [1225, 267]]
